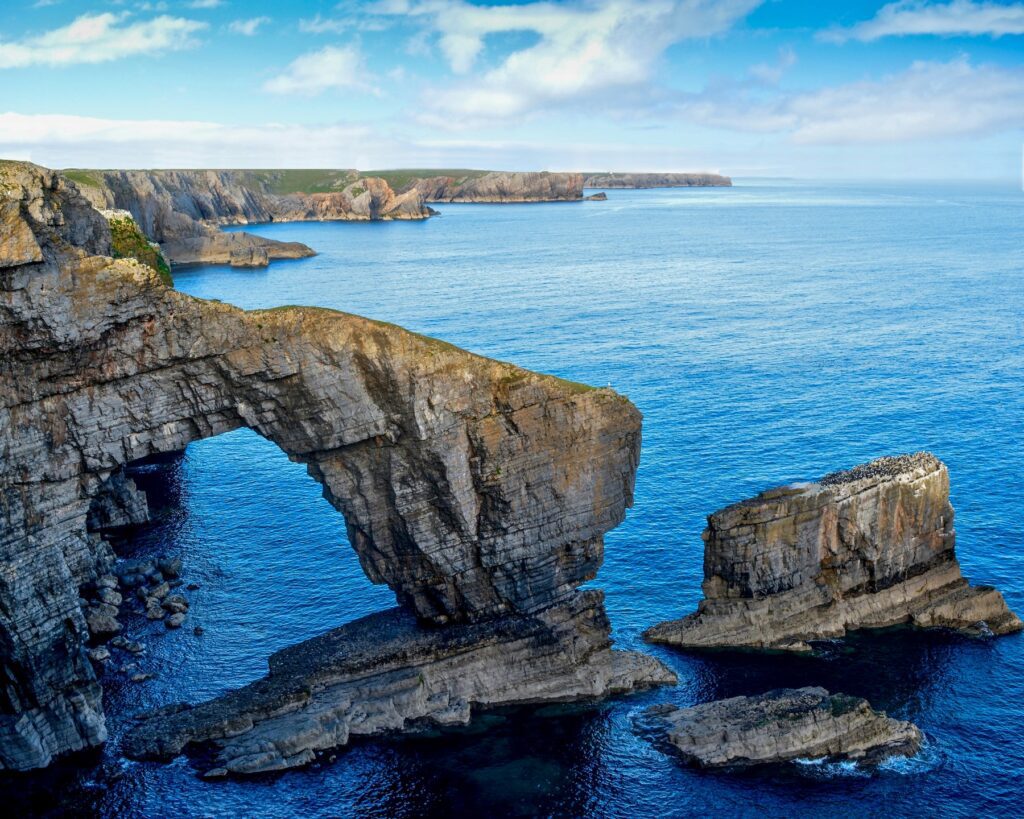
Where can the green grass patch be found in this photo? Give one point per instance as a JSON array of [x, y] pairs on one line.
[[402, 177], [127, 242], [80, 177]]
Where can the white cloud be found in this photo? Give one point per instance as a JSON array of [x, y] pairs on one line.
[[331, 67], [97, 38], [247, 28], [323, 25], [928, 101], [956, 18], [585, 49], [205, 4], [771, 73]]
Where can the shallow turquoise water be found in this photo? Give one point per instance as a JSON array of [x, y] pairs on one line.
[[769, 332]]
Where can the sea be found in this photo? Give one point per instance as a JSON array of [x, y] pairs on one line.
[[769, 332]]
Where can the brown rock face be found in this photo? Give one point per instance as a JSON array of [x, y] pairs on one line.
[[474, 489], [866, 548], [780, 726]]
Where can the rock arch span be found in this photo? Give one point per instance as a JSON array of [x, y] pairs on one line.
[[478, 491]]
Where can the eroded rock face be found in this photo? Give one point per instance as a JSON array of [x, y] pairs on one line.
[[387, 673], [183, 210], [866, 548], [780, 726], [657, 180], [473, 488], [500, 186]]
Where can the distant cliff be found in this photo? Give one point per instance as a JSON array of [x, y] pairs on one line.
[[498, 186], [183, 210], [657, 180]]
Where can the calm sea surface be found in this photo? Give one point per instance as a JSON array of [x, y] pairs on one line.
[[770, 332]]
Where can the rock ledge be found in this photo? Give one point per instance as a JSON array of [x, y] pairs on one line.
[[781, 726]]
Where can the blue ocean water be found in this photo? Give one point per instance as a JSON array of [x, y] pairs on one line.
[[769, 332]]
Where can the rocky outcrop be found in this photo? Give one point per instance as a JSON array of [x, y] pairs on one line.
[[240, 249], [781, 726], [388, 673], [866, 548], [183, 210], [478, 491], [501, 186], [657, 180]]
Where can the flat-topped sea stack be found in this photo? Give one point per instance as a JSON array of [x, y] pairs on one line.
[[478, 491], [657, 180], [866, 548], [782, 726]]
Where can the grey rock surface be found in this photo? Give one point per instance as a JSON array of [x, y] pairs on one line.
[[388, 673], [781, 726]]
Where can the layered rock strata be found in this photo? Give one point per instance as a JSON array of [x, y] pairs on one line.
[[867, 548], [473, 488], [501, 186], [388, 673], [781, 726], [657, 180], [183, 210]]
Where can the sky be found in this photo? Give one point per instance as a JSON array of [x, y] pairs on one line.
[[857, 89]]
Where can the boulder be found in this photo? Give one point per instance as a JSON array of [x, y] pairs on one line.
[[781, 726]]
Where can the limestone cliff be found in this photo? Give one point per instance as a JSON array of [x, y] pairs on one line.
[[183, 210], [780, 726], [500, 186], [866, 548], [657, 180], [478, 491]]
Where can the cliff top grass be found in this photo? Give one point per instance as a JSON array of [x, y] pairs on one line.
[[80, 177], [515, 374], [401, 177]]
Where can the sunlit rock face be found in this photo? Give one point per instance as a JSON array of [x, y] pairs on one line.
[[866, 548], [183, 210], [475, 489]]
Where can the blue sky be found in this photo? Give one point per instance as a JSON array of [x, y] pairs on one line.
[[906, 89]]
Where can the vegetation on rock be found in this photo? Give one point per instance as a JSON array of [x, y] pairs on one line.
[[127, 242]]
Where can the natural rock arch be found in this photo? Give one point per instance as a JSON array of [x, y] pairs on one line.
[[473, 488]]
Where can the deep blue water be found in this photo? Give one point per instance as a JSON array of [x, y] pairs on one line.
[[769, 332]]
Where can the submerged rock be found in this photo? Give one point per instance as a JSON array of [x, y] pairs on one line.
[[781, 726], [387, 673], [866, 548]]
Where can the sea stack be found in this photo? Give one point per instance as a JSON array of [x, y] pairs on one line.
[[869, 547], [781, 726]]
